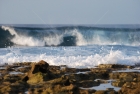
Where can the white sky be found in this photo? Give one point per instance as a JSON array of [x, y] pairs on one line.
[[69, 11]]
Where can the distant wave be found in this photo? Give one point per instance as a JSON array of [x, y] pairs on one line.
[[67, 36]]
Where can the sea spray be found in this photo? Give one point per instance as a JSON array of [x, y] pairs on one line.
[[73, 36], [20, 39]]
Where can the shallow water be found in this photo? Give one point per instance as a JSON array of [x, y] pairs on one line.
[[128, 70], [104, 86], [15, 73]]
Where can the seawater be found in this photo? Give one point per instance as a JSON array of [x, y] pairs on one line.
[[74, 46]]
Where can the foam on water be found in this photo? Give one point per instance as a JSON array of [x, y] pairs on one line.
[[79, 57], [89, 46]]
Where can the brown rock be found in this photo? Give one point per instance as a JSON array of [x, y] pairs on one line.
[[58, 89], [88, 83], [13, 78], [130, 88], [39, 71], [118, 83], [126, 77], [41, 66], [86, 91], [81, 77], [38, 78], [24, 69], [12, 88], [114, 66], [114, 75], [64, 80], [101, 92]]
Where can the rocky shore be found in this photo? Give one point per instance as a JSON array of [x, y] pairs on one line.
[[42, 78]]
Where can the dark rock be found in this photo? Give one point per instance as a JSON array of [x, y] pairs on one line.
[[83, 70], [101, 92], [41, 78], [13, 78], [39, 72], [126, 77], [81, 77], [87, 83], [41, 66], [130, 88], [64, 80], [87, 91], [109, 89], [12, 88], [117, 83], [23, 69], [100, 73], [114, 66]]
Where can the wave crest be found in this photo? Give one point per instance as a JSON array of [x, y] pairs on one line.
[[73, 36], [23, 40]]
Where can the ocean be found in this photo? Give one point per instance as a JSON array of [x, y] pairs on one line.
[[83, 46]]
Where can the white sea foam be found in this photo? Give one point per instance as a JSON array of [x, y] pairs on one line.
[[53, 40], [67, 56]]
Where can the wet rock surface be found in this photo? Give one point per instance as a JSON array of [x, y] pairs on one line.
[[42, 78]]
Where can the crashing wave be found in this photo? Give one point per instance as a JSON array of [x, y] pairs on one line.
[[70, 36]]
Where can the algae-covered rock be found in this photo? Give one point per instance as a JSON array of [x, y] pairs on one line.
[[112, 92], [86, 91], [12, 88], [81, 77], [88, 83], [41, 66], [12, 78], [126, 77], [114, 75], [39, 72], [114, 66], [64, 80], [44, 79], [38, 77], [101, 92], [130, 88], [5, 89], [58, 89], [55, 89], [118, 83]]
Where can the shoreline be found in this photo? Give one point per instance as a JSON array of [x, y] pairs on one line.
[[42, 78]]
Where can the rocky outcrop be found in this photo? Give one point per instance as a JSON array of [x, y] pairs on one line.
[[114, 66], [41, 66], [130, 88], [42, 78], [39, 72]]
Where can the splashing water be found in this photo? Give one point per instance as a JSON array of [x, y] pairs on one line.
[[76, 36], [23, 40], [79, 47]]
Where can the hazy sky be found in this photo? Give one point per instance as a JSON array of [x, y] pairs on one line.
[[69, 11]]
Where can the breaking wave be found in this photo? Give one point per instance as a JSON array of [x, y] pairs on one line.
[[67, 36]]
